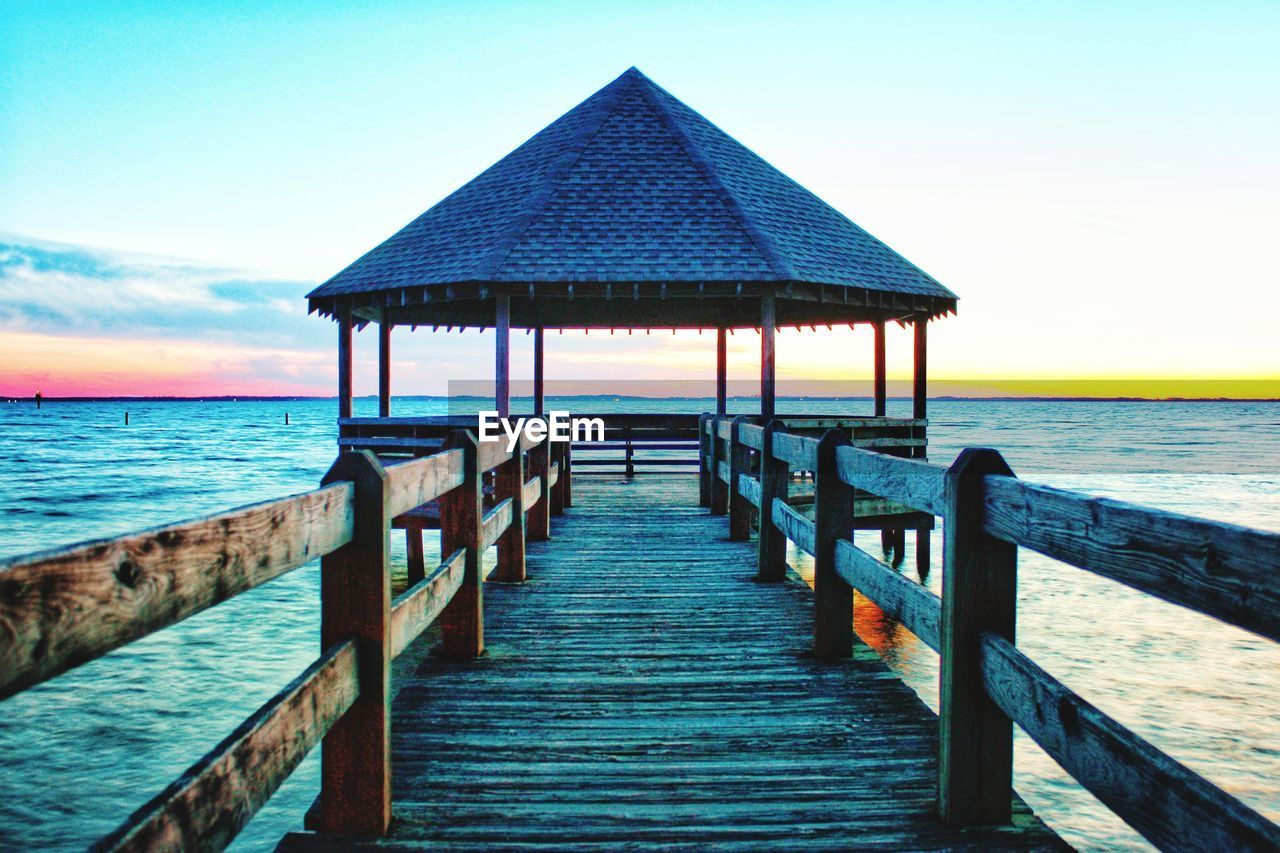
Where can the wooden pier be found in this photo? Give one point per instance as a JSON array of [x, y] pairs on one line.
[[649, 675], [643, 688]]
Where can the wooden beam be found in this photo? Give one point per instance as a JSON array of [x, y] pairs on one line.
[[919, 385], [768, 334], [208, 805], [739, 506], [722, 371], [775, 475], [704, 451], [979, 586], [539, 381], [538, 520], [880, 394], [344, 363], [1118, 767], [355, 604], [502, 352], [419, 605], [509, 482], [63, 608], [833, 523], [462, 526], [384, 365]]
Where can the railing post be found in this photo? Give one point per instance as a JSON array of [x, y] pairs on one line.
[[739, 506], [559, 456], [538, 526], [704, 482], [566, 477], [719, 492], [832, 521], [509, 483], [461, 526], [774, 477], [631, 453], [979, 586], [355, 594]]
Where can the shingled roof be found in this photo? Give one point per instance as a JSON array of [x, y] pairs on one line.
[[631, 210]]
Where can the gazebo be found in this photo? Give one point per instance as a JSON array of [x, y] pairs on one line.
[[630, 211]]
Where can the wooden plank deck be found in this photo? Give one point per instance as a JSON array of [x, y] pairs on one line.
[[641, 690]]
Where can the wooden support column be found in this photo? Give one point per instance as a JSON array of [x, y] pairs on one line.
[[704, 469], [538, 525], [355, 594], [722, 371], [462, 526], [509, 483], [629, 460], [384, 365], [979, 585], [919, 384], [719, 491], [566, 470], [768, 337], [775, 475], [344, 363], [923, 538], [880, 390], [739, 506], [502, 353], [832, 521], [559, 456], [539, 384]]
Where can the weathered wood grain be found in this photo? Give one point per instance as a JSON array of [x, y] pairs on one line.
[[771, 554], [419, 605], [739, 465], [59, 609], [749, 488], [420, 481], [1172, 806], [206, 807], [491, 454], [355, 604], [1226, 571], [979, 595], [916, 608], [532, 492], [462, 528], [795, 526], [751, 435], [832, 523], [496, 521], [509, 485], [908, 481], [800, 451]]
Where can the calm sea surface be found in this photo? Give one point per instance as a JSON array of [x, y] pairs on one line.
[[78, 754]]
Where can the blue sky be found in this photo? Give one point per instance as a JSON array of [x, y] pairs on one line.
[[1098, 181]]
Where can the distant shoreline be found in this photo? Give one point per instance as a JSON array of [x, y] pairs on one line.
[[246, 398]]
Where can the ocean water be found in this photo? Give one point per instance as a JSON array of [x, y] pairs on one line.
[[79, 753]]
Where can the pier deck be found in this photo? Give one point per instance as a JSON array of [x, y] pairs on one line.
[[642, 689]]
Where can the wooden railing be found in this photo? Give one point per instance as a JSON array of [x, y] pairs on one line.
[[987, 684], [63, 608]]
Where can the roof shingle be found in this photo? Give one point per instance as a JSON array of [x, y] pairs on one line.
[[632, 186]]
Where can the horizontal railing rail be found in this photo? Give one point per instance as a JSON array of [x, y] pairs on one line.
[[65, 607], [987, 684]]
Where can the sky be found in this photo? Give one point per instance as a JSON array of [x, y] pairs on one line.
[[1097, 181]]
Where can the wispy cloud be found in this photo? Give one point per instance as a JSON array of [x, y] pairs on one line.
[[60, 289], [75, 320]]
